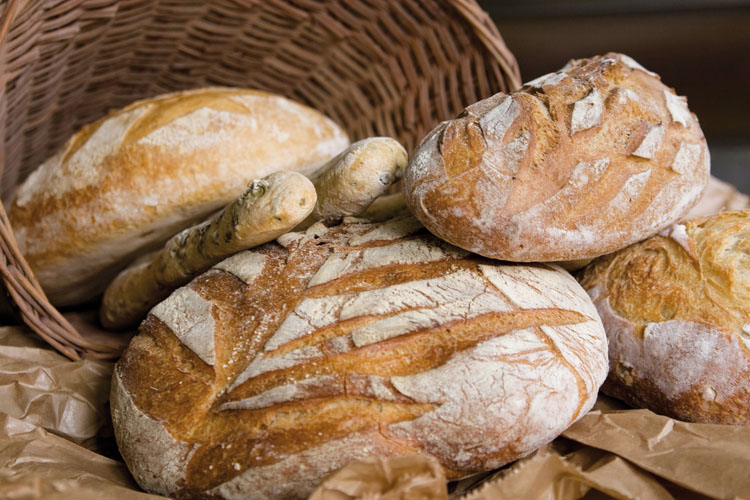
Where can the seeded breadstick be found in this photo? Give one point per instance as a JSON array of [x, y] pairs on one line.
[[351, 181], [269, 208]]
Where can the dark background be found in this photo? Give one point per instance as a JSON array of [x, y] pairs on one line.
[[701, 48]]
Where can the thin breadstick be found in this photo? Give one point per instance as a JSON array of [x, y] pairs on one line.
[[351, 181], [269, 208]]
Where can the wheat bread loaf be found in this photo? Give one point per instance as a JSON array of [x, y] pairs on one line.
[[676, 308], [286, 362], [269, 208], [573, 165], [123, 185]]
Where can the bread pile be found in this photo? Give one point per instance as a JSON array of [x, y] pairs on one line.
[[294, 316]]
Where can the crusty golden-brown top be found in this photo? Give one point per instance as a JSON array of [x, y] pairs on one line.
[[573, 165], [676, 308], [696, 271], [285, 362], [134, 178]]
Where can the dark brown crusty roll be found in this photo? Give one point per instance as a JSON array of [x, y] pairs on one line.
[[573, 165], [285, 363], [676, 308], [123, 185]]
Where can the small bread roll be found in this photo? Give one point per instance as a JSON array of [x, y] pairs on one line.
[[269, 208], [386, 207], [125, 184], [286, 362], [719, 196], [351, 181], [573, 165], [676, 308]]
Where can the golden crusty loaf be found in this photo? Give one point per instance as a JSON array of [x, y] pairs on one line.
[[126, 183], [284, 363], [573, 165], [676, 308]]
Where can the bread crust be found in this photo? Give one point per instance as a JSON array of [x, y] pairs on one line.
[[349, 183], [285, 363], [573, 165], [122, 185], [719, 196], [269, 208], [676, 308]]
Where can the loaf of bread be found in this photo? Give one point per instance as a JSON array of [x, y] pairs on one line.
[[676, 308], [719, 196], [123, 185], [269, 208], [286, 362], [351, 181], [573, 165]]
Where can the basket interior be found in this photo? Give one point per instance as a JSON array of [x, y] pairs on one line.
[[377, 67]]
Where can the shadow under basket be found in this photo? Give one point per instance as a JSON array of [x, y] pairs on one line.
[[377, 67]]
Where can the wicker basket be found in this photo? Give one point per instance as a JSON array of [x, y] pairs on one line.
[[377, 67]]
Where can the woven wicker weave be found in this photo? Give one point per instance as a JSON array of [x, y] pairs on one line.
[[377, 67]]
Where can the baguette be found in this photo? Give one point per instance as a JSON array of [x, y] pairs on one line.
[[351, 181], [269, 208]]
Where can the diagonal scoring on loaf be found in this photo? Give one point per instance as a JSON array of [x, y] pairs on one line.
[[517, 176], [329, 375]]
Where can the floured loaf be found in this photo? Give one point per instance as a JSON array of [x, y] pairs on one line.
[[676, 308], [284, 363], [573, 165], [126, 183]]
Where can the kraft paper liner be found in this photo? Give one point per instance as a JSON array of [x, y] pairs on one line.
[[51, 409]]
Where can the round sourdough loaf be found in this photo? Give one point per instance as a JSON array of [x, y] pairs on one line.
[[126, 183], [284, 363], [573, 165], [676, 308]]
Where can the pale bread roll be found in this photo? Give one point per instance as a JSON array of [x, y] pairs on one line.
[[350, 182], [269, 208], [386, 207], [573, 165], [285, 363], [676, 308], [719, 196], [124, 184]]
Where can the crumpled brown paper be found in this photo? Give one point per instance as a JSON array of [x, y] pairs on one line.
[[413, 477], [35, 464], [48, 404], [44, 388]]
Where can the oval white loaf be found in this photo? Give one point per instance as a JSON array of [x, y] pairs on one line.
[[676, 308], [573, 165], [285, 363], [126, 183]]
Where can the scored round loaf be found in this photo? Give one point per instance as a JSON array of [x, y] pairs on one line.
[[573, 165], [285, 363], [676, 308], [123, 185]]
